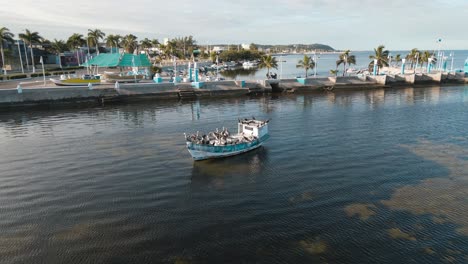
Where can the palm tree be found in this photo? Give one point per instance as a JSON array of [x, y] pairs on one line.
[[413, 55], [267, 61], [425, 57], [59, 46], [94, 36], [306, 63], [113, 40], [344, 59], [155, 43], [5, 36], [146, 44], [381, 56], [76, 41], [30, 38], [129, 43], [397, 59]]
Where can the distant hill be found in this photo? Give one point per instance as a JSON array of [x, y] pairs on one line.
[[298, 47]]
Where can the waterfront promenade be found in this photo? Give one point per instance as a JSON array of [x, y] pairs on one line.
[[33, 91]]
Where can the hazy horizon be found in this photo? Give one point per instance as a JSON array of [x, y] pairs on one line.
[[356, 25]]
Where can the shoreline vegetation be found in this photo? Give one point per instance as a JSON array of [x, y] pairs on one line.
[[82, 47], [383, 69]]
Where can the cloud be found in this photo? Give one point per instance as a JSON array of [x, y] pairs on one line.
[[343, 24]]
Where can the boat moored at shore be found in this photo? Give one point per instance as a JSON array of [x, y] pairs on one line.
[[219, 144], [76, 81]]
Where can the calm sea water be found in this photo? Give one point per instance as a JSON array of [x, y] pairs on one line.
[[327, 62], [376, 176]]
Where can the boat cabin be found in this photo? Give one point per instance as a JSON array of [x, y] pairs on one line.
[[254, 128]]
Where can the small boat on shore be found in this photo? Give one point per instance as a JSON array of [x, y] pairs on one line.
[[250, 135], [110, 77], [76, 81], [249, 64]]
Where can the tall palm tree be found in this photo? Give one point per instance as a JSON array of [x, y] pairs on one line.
[[381, 56], [146, 44], [155, 43], [113, 41], [425, 57], [58, 46], [30, 38], [94, 36], [5, 36], [346, 58], [268, 61], [76, 41], [413, 56], [306, 63], [397, 59], [129, 43]]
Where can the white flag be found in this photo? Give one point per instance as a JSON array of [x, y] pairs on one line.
[[40, 60]]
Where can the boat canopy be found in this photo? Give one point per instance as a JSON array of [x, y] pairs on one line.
[[118, 60]]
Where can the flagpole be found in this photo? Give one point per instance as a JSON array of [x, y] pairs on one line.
[[43, 71]]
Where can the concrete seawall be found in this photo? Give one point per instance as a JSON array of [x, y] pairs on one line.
[[107, 93], [98, 93]]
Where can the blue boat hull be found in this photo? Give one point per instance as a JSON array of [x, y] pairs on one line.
[[203, 152]]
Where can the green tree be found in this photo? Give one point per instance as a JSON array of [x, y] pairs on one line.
[[413, 56], [425, 57], [398, 59], [213, 56], [76, 41], [31, 38], [146, 44], [346, 58], [253, 46], [129, 43], [94, 36], [307, 63], [113, 41], [58, 46], [381, 55], [155, 43], [5, 36], [269, 62]]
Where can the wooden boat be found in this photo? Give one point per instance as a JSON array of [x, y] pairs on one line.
[[250, 135], [76, 81]]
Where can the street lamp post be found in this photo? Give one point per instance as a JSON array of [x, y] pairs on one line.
[[452, 55], [43, 70], [345, 58], [281, 66], [375, 67], [315, 62], [417, 61], [217, 68]]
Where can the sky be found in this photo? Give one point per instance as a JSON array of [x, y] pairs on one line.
[[342, 24]]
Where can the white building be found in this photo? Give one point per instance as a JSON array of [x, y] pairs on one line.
[[245, 46], [218, 49]]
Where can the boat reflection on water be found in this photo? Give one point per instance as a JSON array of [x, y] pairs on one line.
[[242, 167]]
